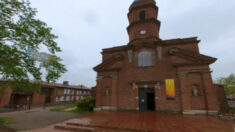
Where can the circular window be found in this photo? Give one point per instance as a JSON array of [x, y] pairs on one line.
[[142, 32]]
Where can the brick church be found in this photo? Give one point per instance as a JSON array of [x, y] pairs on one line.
[[151, 74]]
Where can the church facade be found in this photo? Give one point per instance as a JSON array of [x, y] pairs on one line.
[[151, 74]]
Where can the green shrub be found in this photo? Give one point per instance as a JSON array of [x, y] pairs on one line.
[[2, 121], [232, 110], [86, 104], [6, 121]]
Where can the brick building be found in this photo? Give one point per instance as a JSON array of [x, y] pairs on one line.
[[221, 97], [51, 93], [154, 74]]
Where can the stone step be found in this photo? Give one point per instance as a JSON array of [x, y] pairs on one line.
[[73, 128], [106, 128]]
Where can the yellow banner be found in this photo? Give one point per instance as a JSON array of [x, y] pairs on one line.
[[170, 88]]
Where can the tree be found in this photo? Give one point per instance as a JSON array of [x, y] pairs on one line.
[[21, 36], [229, 83]]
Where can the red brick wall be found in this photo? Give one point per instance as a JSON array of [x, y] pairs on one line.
[[124, 96], [21, 99], [59, 92], [38, 98], [5, 98], [162, 70], [221, 96], [134, 13], [151, 25], [197, 102]]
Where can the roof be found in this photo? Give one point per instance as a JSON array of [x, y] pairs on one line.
[[45, 84], [140, 0], [58, 85]]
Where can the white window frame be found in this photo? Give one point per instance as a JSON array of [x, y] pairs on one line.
[[68, 92], [62, 98], [67, 98], [57, 99], [77, 98], [79, 92]]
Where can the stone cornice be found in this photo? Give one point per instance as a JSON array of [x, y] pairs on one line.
[[192, 40], [157, 22], [114, 49], [146, 82]]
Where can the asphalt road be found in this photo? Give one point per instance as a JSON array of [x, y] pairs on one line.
[[27, 120]]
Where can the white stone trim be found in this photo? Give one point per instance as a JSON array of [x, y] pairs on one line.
[[108, 108], [100, 77], [97, 109], [211, 112], [159, 53], [130, 56], [199, 112]]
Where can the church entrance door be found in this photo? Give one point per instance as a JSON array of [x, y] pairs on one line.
[[146, 99]]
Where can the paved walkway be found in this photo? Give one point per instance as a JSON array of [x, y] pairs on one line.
[[4, 110], [139, 121], [36, 118], [231, 103]]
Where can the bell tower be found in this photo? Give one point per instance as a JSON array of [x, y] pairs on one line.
[[143, 21]]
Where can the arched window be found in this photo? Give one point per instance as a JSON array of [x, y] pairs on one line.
[[145, 58], [142, 15]]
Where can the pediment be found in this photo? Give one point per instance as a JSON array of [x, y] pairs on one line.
[[111, 64], [190, 58]]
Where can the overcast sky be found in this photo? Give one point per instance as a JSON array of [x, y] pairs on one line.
[[85, 27]]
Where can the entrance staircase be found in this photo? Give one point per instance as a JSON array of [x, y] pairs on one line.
[[77, 127]]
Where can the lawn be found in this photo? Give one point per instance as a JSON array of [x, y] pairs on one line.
[[70, 108], [4, 121], [63, 108]]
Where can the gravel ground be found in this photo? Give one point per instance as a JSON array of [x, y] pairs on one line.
[[26, 120]]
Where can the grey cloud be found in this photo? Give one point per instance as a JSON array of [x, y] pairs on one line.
[[85, 27]]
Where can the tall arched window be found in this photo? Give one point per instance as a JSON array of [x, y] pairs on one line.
[[145, 58], [142, 15]]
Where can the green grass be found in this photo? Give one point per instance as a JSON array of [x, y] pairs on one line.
[[77, 110], [232, 109], [4, 121], [63, 108]]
